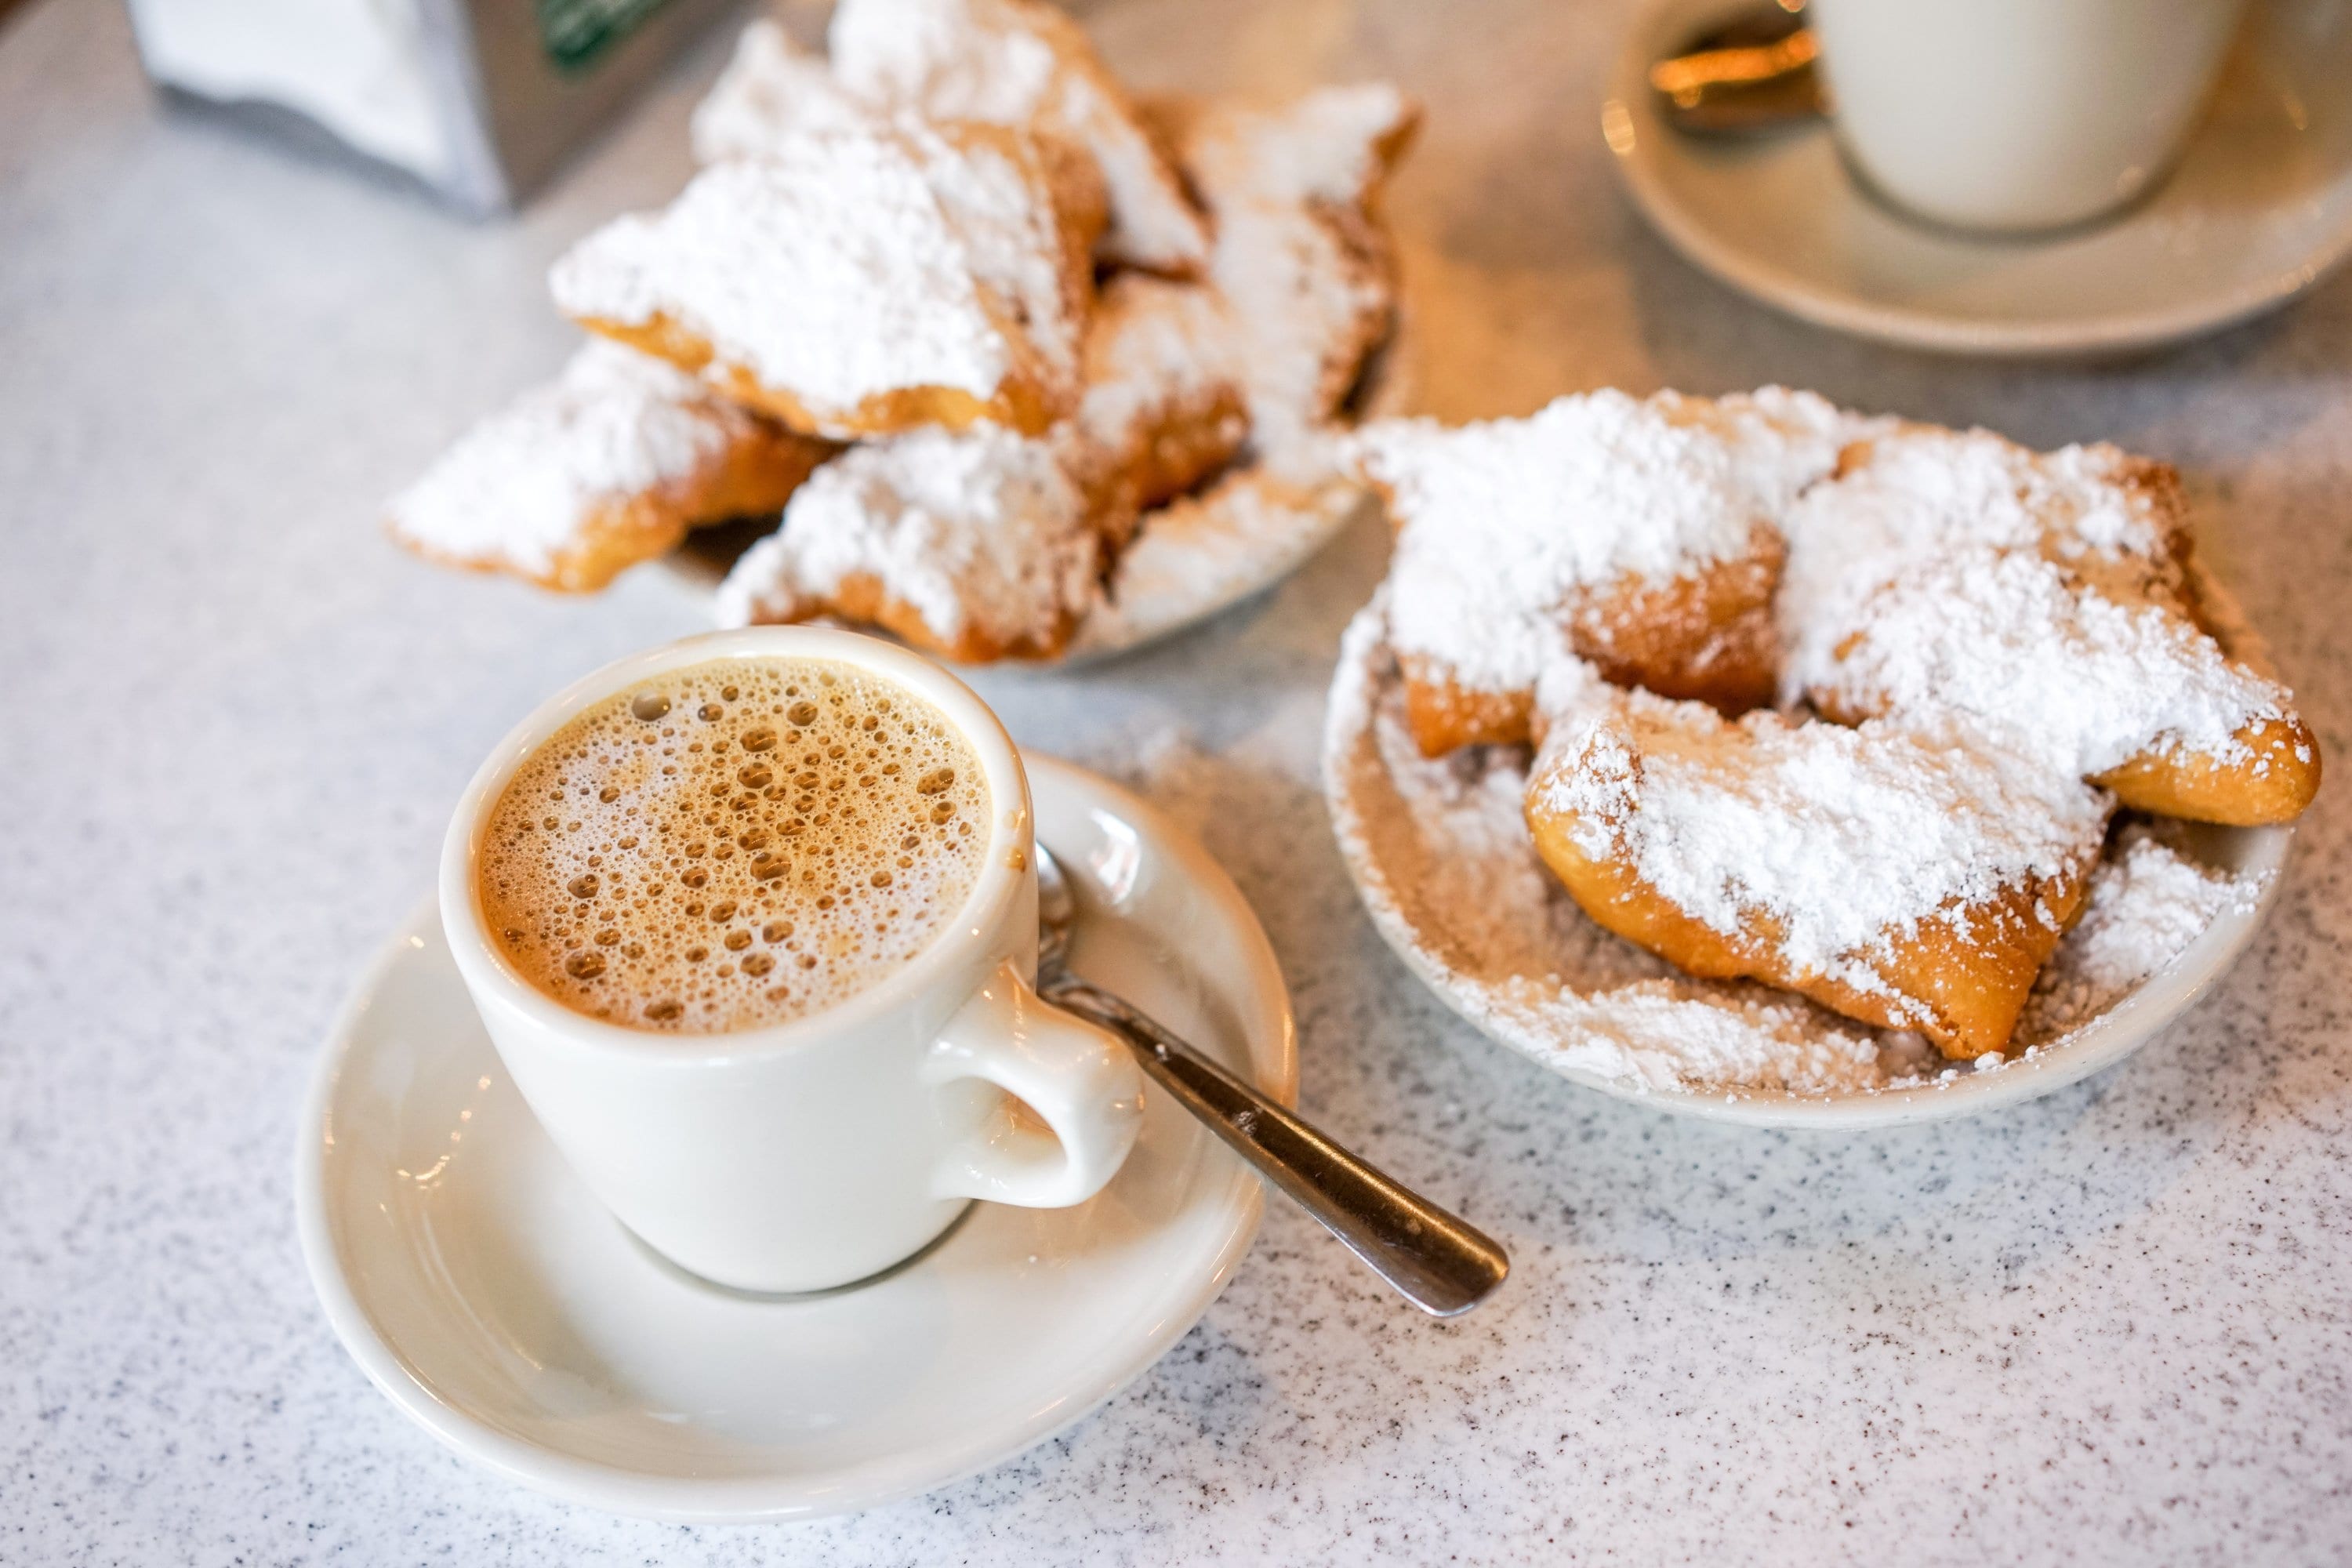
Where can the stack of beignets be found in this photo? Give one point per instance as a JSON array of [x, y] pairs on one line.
[[1037, 312], [1976, 652]]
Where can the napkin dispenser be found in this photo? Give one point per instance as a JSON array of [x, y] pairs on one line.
[[478, 99]]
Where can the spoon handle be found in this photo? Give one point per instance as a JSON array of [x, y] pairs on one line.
[[1439, 1261]]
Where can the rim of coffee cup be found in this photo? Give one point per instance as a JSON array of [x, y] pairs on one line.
[[485, 967]]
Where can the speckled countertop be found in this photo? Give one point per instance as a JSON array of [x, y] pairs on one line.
[[2112, 1324]]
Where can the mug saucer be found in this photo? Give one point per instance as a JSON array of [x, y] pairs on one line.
[[2257, 210], [495, 1304]]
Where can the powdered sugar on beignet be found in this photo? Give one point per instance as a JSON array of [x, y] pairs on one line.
[[2042, 595], [607, 465], [1841, 836], [1335, 145], [1023, 64], [856, 280], [1162, 409], [1513, 533], [1305, 267], [771, 90], [975, 544], [1441, 852], [1914, 879]]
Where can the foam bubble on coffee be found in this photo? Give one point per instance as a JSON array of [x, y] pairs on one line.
[[734, 844]]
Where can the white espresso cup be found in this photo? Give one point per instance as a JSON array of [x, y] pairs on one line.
[[2018, 115], [816, 1151]]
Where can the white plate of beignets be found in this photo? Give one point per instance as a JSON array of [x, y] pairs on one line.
[[1198, 451], [1068, 368], [2020, 794]]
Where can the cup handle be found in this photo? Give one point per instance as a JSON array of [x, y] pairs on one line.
[[1080, 1079]]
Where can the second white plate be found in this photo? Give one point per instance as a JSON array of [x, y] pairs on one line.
[[1477, 919]]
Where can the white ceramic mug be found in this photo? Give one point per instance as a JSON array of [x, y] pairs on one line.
[[814, 1153], [2018, 115]]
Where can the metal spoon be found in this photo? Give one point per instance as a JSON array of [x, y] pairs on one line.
[[1754, 73], [1441, 1263]]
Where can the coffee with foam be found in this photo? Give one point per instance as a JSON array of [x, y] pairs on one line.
[[734, 844]]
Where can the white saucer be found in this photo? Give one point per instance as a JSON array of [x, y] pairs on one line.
[[502, 1309], [1502, 945], [2259, 208]]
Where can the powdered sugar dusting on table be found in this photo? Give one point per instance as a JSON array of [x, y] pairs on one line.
[[1439, 852]]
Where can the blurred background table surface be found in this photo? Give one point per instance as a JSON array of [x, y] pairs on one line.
[[2114, 1324]]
